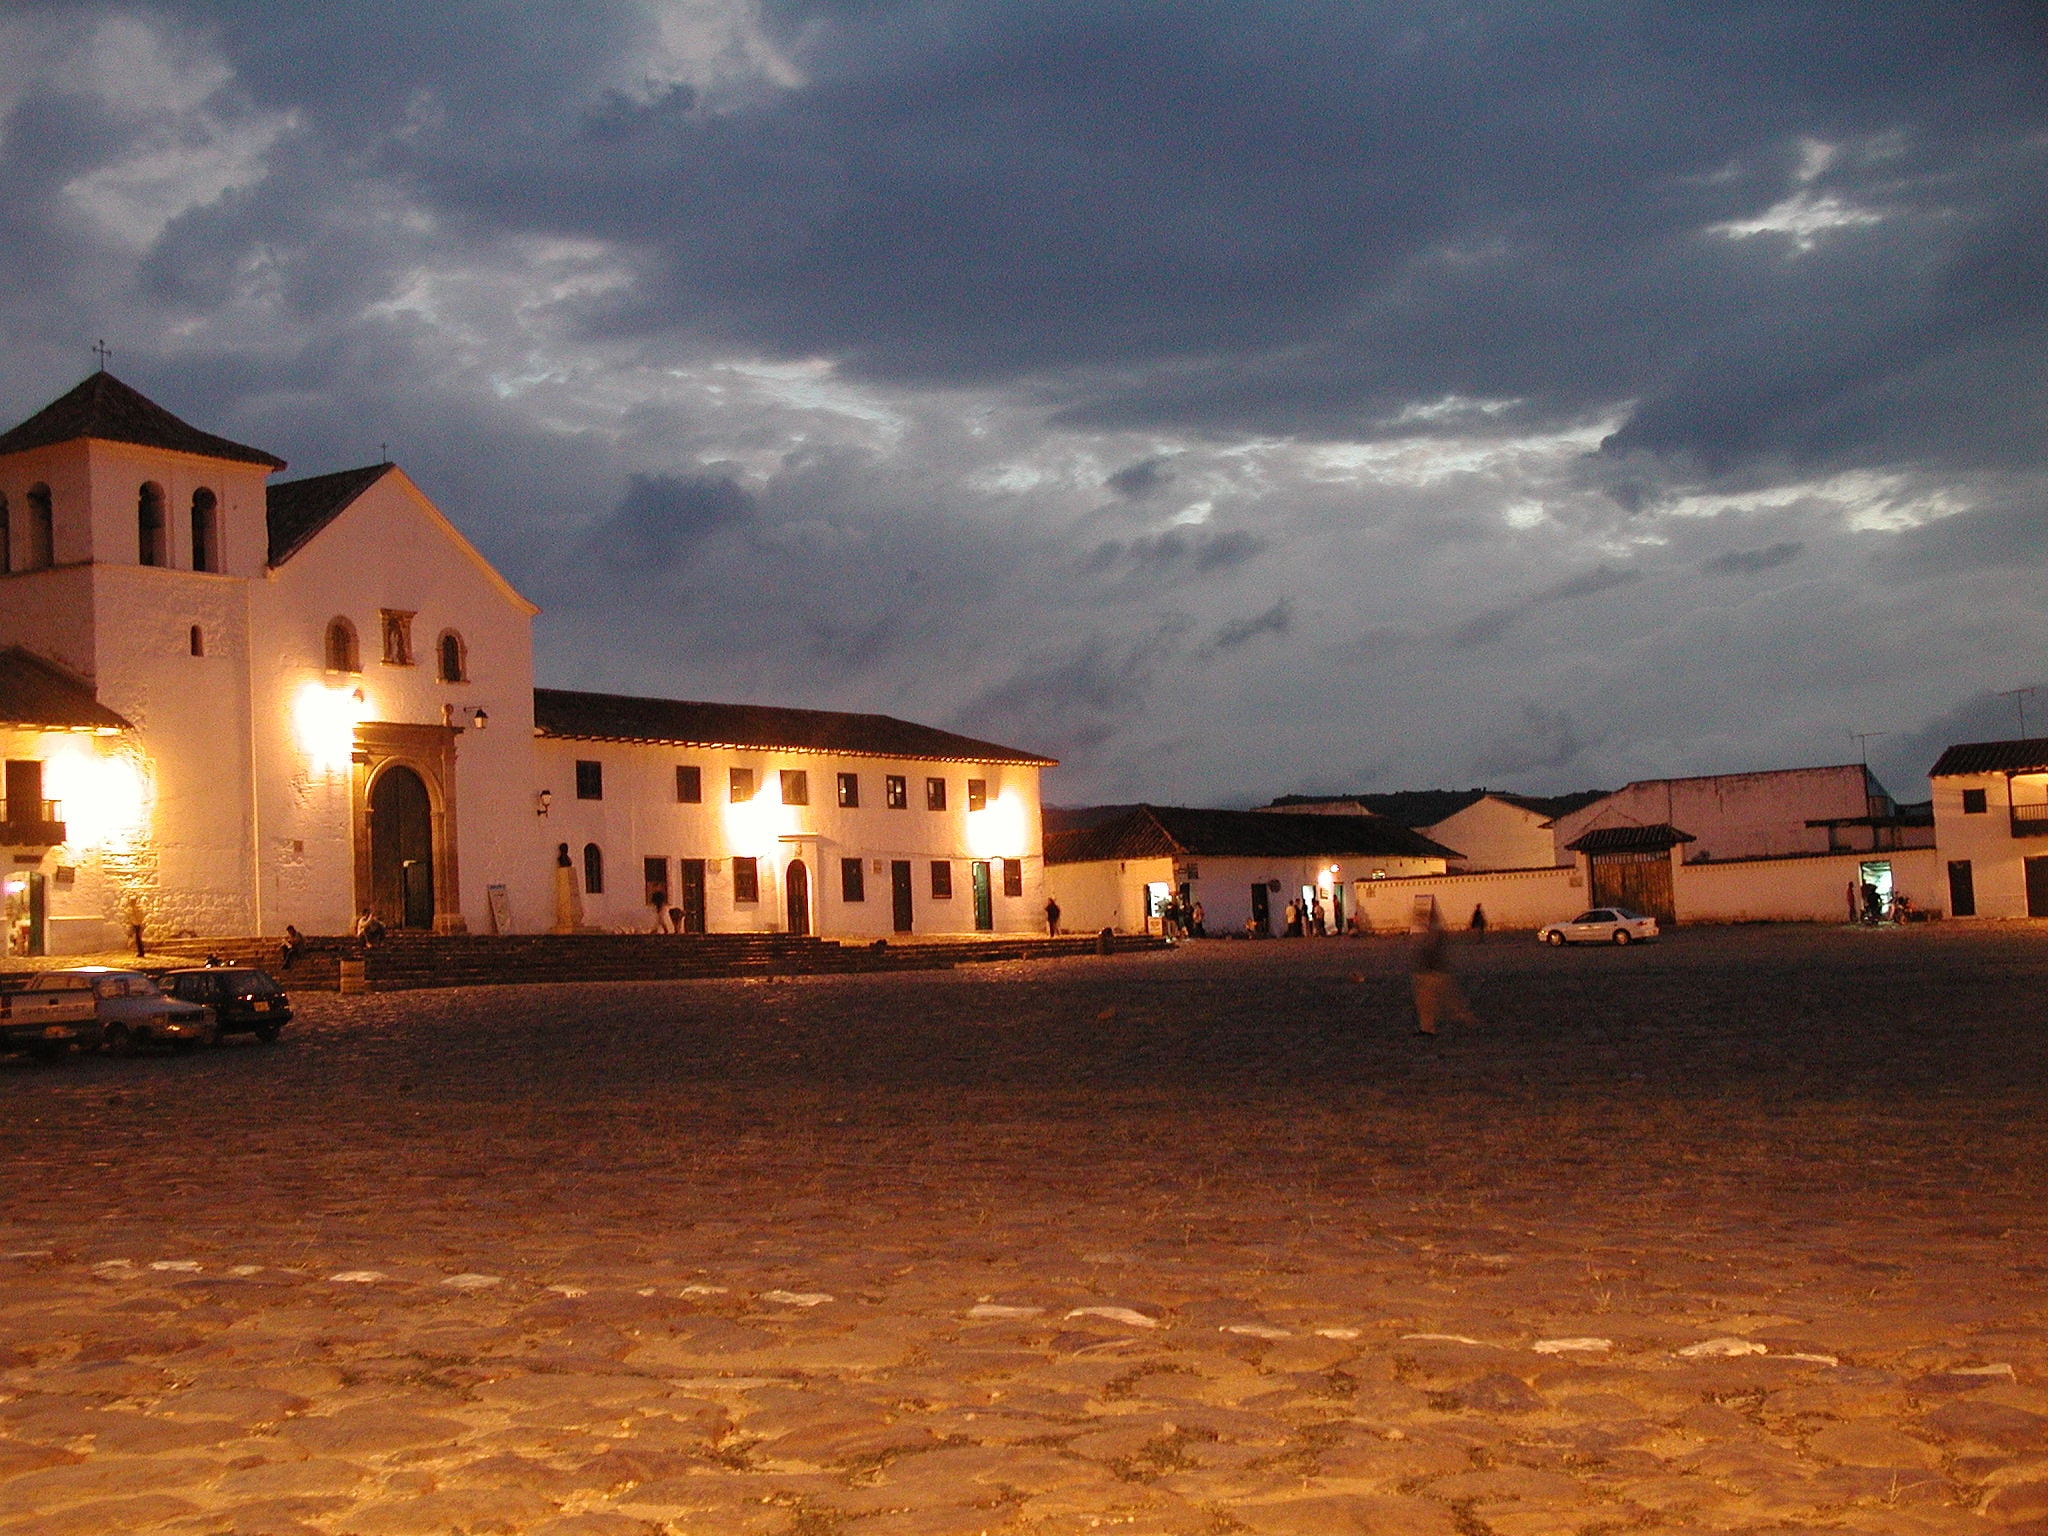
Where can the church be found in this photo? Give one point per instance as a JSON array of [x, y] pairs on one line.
[[230, 703]]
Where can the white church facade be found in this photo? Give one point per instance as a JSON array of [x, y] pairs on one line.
[[227, 705]]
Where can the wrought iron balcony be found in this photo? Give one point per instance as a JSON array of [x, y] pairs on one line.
[[2030, 821], [30, 824]]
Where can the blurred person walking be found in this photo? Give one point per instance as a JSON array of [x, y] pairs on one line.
[[1436, 992]]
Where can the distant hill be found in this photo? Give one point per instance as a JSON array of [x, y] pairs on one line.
[[1077, 818], [1427, 807]]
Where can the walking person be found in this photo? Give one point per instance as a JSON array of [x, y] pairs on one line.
[[1478, 923], [1436, 992], [1197, 927], [1052, 918], [658, 899]]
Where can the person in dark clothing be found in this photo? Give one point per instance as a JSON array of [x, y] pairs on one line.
[[1478, 923], [293, 946], [1052, 918]]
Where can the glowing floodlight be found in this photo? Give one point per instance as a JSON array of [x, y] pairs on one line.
[[103, 797], [997, 829], [327, 719]]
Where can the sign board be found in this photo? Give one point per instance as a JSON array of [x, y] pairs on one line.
[[500, 900]]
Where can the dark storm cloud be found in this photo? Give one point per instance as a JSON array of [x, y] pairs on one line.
[[1176, 550], [1537, 738], [1140, 479], [1276, 620], [663, 518], [1748, 562], [1488, 627]]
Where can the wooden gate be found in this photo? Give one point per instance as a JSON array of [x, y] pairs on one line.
[[1639, 881]]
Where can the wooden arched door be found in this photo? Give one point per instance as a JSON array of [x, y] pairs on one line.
[[402, 849], [797, 882]]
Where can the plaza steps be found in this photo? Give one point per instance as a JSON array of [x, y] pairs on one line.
[[412, 961]]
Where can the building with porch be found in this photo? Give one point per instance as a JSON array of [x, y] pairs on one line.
[[1991, 825], [227, 705]]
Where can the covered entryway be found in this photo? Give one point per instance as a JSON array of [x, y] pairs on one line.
[[1630, 867], [401, 849], [403, 806], [797, 889]]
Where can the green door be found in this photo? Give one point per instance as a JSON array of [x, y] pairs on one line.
[[984, 901]]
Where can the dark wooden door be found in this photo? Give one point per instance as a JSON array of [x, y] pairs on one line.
[[984, 899], [797, 883], [1262, 909], [692, 873], [401, 850], [1962, 889], [1641, 882], [899, 893], [2037, 887]]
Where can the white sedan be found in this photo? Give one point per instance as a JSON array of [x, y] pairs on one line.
[[1602, 925]]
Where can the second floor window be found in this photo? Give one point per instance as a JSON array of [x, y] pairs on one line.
[[796, 787], [689, 784], [454, 658], [977, 794], [935, 794], [589, 780], [205, 530], [739, 784], [1974, 803], [849, 791], [397, 637], [896, 792]]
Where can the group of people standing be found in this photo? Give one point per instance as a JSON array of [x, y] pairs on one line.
[[1183, 919]]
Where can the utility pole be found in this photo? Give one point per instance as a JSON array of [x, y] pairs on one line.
[[2019, 697], [1863, 741]]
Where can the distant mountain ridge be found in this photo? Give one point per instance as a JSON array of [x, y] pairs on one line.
[[1427, 807]]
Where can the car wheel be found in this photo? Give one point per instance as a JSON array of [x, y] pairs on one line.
[[1553, 938], [118, 1041], [267, 1033], [1622, 936]]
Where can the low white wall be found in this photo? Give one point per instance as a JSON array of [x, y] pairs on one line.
[[1104, 893], [1810, 889], [1513, 898]]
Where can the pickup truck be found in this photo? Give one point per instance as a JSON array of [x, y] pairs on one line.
[[47, 1014]]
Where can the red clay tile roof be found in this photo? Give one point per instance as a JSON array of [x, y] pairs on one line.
[[1658, 837], [1162, 831], [619, 717], [298, 509], [36, 695], [105, 408], [2029, 756]]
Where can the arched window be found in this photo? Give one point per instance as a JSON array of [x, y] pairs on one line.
[[342, 655], [454, 658], [6, 538], [198, 639], [42, 530], [593, 869], [152, 536], [205, 530]]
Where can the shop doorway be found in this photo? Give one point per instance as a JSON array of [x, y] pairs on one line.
[[899, 894], [1262, 911], [2037, 887], [984, 899]]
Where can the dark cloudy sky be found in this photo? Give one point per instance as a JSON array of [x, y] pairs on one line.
[[1230, 399]]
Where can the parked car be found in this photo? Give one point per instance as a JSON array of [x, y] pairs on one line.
[[47, 1014], [244, 1000], [133, 1012], [1602, 925]]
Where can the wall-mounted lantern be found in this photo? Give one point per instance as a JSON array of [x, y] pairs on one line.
[[542, 801]]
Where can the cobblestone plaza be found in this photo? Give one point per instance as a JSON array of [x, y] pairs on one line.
[[1741, 1232]]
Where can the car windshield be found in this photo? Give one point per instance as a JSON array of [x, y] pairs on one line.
[[125, 986], [248, 983]]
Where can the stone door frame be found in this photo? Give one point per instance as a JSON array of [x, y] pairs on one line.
[[429, 751]]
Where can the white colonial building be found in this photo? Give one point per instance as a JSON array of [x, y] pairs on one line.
[[228, 705]]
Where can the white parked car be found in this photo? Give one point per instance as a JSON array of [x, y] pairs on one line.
[[133, 1012], [1602, 925]]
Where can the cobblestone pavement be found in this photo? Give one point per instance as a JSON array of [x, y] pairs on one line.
[[1742, 1232]]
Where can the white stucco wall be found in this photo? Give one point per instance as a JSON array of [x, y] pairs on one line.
[[1111, 892], [1733, 815], [1497, 834], [392, 549], [1811, 889], [1522, 898], [640, 817]]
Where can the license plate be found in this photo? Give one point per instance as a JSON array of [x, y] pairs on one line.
[[262, 1007]]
